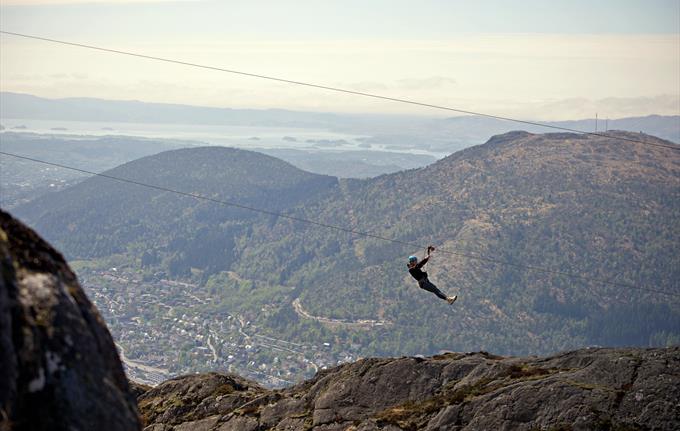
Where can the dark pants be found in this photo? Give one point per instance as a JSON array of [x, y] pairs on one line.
[[427, 285]]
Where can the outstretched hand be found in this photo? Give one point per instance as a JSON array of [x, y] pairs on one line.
[[430, 249]]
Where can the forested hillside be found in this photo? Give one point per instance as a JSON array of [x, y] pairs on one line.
[[101, 216], [598, 207]]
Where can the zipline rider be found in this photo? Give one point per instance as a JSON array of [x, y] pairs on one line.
[[415, 269]]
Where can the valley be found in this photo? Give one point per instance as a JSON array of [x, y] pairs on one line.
[[169, 332]]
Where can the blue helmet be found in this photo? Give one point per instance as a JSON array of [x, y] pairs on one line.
[[412, 259]]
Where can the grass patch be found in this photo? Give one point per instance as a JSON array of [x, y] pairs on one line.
[[590, 386], [527, 372], [449, 355], [490, 356], [407, 415], [300, 415], [224, 389], [152, 408]]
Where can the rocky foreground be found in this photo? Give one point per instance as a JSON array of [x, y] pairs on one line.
[[59, 370], [608, 389]]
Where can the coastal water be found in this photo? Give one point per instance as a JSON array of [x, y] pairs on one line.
[[246, 137]]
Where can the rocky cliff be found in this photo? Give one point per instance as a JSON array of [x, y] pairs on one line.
[[59, 369], [603, 389]]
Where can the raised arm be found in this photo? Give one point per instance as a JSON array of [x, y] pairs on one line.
[[422, 263]]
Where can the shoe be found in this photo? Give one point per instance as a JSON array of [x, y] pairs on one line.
[[451, 299]]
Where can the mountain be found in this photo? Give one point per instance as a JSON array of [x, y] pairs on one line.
[[101, 216], [25, 106], [17, 105], [59, 369], [603, 389], [598, 207]]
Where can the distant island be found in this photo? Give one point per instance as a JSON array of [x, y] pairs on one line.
[[328, 142]]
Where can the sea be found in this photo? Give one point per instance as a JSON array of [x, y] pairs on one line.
[[246, 137]]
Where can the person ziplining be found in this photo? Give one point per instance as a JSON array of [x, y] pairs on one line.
[[415, 269]]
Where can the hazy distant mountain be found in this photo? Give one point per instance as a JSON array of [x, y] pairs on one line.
[[598, 207], [394, 131], [15, 105]]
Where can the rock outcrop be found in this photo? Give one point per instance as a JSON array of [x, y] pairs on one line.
[[607, 389], [59, 369]]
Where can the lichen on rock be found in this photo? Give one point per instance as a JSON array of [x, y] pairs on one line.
[[59, 367]]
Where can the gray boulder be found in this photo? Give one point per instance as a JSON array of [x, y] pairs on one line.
[[59, 368]]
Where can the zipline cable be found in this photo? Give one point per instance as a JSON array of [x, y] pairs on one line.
[[351, 231], [337, 89]]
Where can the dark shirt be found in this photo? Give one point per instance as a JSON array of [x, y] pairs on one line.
[[416, 272]]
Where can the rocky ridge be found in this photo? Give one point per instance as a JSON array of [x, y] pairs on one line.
[[631, 389]]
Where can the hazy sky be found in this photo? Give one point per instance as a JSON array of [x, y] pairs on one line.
[[532, 59]]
